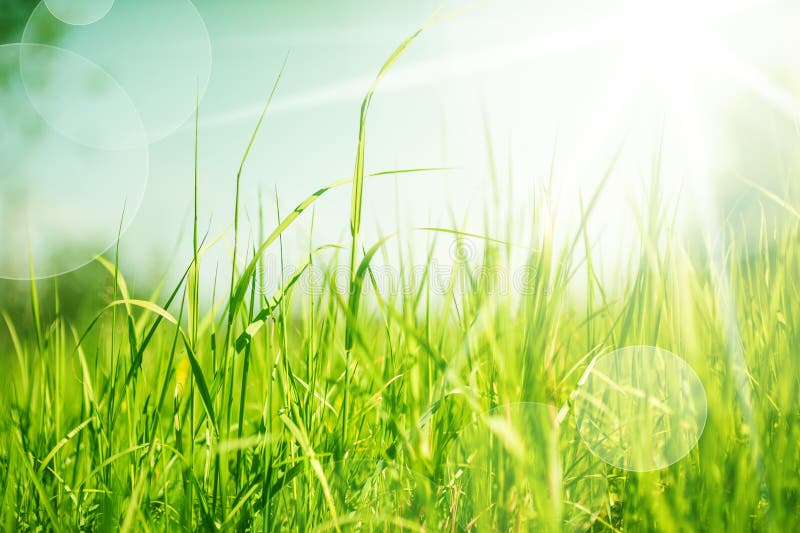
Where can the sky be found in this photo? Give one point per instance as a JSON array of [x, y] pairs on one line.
[[100, 117]]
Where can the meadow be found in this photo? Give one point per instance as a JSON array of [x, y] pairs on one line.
[[428, 406]]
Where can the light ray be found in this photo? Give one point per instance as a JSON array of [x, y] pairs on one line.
[[452, 66], [750, 77], [606, 124], [696, 150]]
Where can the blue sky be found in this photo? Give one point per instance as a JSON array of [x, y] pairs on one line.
[[576, 77]]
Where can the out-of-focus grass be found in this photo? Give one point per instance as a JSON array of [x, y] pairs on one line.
[[300, 410]]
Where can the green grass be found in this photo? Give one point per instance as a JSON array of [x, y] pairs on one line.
[[357, 409]]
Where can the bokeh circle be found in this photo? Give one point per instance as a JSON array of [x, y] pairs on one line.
[[79, 99], [63, 202], [79, 12], [640, 408], [159, 51]]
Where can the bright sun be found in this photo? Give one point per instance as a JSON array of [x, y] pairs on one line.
[[683, 60]]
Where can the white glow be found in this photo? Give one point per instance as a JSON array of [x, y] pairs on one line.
[[654, 75]]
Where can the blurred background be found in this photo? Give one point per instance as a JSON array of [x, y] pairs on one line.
[[693, 102]]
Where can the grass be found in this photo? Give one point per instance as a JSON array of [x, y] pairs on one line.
[[438, 407]]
